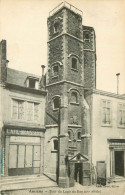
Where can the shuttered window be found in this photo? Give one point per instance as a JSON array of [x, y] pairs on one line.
[[23, 110], [106, 112], [18, 109], [121, 115]]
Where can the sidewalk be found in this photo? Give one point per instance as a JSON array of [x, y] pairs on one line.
[[110, 189]]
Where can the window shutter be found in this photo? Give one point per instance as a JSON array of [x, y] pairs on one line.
[[30, 111], [15, 109], [36, 111], [20, 110]]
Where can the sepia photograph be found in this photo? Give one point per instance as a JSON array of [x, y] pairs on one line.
[[62, 97]]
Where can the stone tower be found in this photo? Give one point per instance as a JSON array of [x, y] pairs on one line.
[[89, 57], [66, 113]]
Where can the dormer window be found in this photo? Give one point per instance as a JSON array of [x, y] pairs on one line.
[[32, 82]]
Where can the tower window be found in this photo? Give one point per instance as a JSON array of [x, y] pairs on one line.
[[74, 63], [87, 37], [74, 97], [69, 133], [55, 144], [56, 27], [79, 136], [56, 102], [55, 70]]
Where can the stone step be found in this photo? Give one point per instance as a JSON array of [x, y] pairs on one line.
[[6, 180], [26, 183]]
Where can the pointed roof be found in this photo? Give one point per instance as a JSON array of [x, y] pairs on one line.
[[79, 157]]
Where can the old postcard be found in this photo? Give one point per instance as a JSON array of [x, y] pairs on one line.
[[62, 97]]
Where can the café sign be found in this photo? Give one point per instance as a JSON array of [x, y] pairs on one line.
[[23, 132]]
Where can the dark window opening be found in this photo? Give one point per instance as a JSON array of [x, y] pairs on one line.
[[56, 27], [55, 142], [87, 37], [69, 133], [74, 98], [55, 70], [74, 63], [79, 135], [32, 83], [56, 102]]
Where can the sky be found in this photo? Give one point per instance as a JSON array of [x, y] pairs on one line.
[[23, 23]]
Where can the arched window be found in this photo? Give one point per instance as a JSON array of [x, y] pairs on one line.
[[55, 144], [79, 136], [56, 103], [74, 63], [74, 97], [56, 27], [55, 70]]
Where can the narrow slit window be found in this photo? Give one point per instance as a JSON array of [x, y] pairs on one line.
[[56, 103], [55, 143], [55, 70], [74, 63], [74, 98]]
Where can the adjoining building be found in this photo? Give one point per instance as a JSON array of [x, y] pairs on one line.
[[22, 120], [107, 111]]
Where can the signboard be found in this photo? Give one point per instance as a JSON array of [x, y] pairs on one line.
[[23, 132]]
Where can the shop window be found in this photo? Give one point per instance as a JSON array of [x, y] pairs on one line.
[[74, 97], [55, 70], [121, 115], [56, 103], [106, 112], [74, 63], [79, 136]]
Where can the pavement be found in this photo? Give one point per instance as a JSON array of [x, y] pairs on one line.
[[114, 188]]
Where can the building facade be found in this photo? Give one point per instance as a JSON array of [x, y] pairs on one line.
[[22, 121], [107, 131]]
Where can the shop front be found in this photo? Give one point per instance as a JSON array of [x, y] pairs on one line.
[[23, 152], [117, 157]]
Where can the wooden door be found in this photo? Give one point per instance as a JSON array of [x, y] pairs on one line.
[[101, 172], [86, 174]]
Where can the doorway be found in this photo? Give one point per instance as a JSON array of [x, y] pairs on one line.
[[78, 173], [119, 163]]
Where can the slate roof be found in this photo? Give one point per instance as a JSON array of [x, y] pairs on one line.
[[18, 77]]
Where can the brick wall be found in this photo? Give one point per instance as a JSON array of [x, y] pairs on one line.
[[3, 69]]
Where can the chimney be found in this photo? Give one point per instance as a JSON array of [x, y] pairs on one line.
[[3, 62], [42, 85]]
